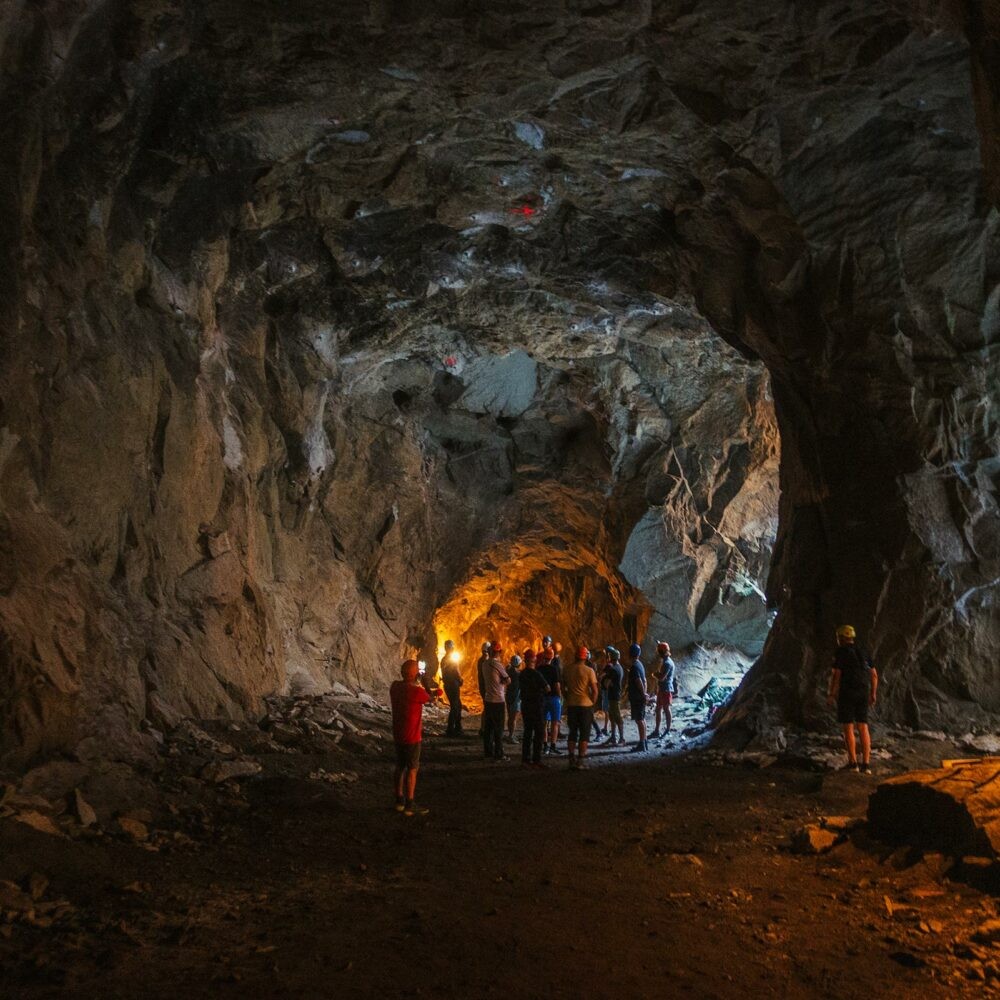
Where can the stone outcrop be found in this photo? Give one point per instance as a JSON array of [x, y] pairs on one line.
[[953, 809], [322, 327]]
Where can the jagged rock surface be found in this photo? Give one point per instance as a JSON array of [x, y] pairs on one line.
[[315, 319]]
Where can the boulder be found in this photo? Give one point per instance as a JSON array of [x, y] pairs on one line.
[[955, 810]]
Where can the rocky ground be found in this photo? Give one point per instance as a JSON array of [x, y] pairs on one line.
[[267, 857]]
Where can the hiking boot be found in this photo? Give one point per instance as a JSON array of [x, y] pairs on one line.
[[655, 734], [851, 765], [866, 769], [400, 805], [412, 809], [555, 751]]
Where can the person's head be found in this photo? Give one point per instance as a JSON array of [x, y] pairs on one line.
[[486, 649], [599, 656], [583, 654], [613, 655], [515, 660], [547, 642], [529, 659], [846, 635], [663, 648], [448, 645], [635, 651], [410, 671], [496, 648]]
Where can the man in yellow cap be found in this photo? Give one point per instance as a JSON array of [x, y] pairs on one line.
[[853, 686]]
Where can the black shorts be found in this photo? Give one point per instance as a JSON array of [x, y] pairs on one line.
[[580, 718], [408, 755], [852, 708], [638, 710]]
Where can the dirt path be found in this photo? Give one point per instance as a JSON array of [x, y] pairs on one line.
[[654, 878]]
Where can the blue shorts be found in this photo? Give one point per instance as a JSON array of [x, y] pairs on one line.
[[553, 709]]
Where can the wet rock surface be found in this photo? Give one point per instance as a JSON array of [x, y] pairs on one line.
[[325, 329]]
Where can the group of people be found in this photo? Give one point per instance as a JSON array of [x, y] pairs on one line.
[[537, 687]]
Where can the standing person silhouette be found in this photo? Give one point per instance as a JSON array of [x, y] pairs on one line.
[[853, 689]]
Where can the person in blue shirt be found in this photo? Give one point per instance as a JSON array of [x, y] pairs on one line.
[[666, 688], [637, 694]]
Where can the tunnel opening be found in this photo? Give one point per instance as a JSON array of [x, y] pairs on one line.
[[665, 534]]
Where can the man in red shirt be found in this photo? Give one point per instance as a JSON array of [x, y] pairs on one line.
[[408, 698]]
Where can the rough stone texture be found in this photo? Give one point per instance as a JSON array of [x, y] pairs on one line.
[[954, 809], [319, 322]]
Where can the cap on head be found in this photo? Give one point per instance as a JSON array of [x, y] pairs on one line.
[[410, 670], [449, 644], [529, 655], [516, 660], [486, 647], [635, 649], [662, 647], [496, 647], [846, 632], [612, 652], [547, 640], [583, 653]]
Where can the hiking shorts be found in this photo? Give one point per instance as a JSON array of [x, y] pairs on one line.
[[615, 711], [852, 708], [580, 718], [408, 755], [664, 699], [553, 709], [638, 710]]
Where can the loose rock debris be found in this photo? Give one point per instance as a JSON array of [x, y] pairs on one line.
[[212, 776]]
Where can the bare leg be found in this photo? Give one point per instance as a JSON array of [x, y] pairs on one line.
[[571, 747], [668, 716], [852, 753], [400, 773], [866, 743], [583, 749], [411, 782], [642, 731]]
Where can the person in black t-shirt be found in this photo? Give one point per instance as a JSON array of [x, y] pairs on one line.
[[853, 686], [533, 690], [451, 679]]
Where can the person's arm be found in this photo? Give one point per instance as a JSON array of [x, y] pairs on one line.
[[874, 686], [834, 688]]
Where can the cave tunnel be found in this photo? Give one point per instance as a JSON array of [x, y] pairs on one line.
[[334, 331]]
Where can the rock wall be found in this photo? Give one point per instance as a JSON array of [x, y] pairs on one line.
[[312, 319], [293, 355]]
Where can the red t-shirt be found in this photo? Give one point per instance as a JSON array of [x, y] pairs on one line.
[[408, 702]]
